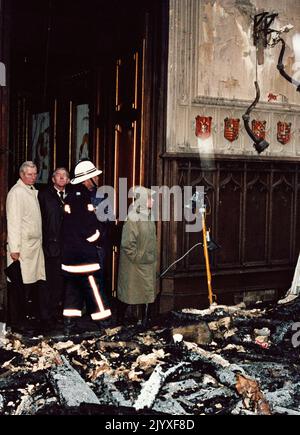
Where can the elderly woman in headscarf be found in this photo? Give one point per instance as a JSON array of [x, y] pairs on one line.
[[137, 267]]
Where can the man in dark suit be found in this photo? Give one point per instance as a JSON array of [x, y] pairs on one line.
[[51, 201]]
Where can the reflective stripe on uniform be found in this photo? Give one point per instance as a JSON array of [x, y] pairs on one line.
[[94, 237], [81, 268], [103, 313], [72, 313]]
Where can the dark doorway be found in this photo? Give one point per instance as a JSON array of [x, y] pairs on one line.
[[69, 54], [90, 75]]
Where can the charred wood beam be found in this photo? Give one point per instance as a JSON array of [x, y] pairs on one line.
[[225, 372], [285, 411], [1, 403], [110, 394], [196, 353], [9, 379], [265, 356], [257, 322], [153, 385]]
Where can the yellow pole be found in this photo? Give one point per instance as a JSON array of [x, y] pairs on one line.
[[206, 256]]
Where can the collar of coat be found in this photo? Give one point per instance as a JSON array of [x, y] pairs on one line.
[[26, 186]]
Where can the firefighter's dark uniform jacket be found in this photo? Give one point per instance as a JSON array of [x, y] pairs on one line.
[[80, 223]]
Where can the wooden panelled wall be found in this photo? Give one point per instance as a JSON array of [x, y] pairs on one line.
[[254, 215], [4, 148]]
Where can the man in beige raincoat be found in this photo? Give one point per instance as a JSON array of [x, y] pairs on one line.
[[138, 257], [24, 236]]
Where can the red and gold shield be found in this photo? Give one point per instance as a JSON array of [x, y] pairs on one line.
[[284, 132], [259, 128], [203, 126], [231, 128]]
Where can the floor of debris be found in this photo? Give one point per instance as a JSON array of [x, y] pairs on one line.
[[223, 360]]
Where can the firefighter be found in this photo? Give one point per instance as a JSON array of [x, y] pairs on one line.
[[80, 260]]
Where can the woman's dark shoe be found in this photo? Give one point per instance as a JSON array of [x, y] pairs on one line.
[[121, 312], [146, 317]]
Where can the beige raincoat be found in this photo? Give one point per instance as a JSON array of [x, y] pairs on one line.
[[137, 267], [24, 231]]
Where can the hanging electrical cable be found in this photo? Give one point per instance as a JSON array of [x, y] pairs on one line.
[[281, 69], [260, 144], [263, 37], [179, 259]]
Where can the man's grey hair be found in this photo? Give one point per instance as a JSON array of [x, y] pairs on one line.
[[61, 169], [25, 165]]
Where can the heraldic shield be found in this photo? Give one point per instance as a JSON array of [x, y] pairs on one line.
[[284, 132], [203, 126], [231, 128], [259, 128]]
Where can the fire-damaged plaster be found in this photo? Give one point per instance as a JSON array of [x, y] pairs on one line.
[[212, 69]]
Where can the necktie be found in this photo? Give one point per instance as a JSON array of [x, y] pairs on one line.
[[61, 194]]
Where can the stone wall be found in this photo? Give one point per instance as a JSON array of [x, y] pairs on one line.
[[212, 69]]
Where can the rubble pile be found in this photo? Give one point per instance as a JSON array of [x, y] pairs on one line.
[[223, 360]]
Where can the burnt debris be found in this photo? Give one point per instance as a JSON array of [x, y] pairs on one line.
[[223, 360]]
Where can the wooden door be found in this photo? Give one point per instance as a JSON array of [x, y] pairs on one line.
[[128, 146]]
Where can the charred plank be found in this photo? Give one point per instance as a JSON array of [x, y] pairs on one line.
[[71, 389]]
